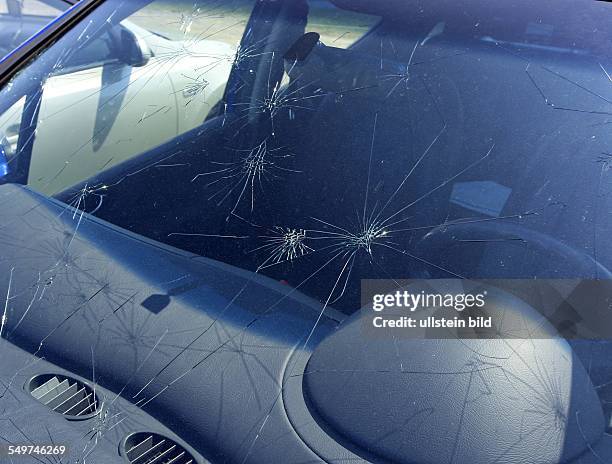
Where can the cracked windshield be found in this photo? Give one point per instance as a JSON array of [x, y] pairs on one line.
[[223, 224]]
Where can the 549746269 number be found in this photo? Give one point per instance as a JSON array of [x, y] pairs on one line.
[[32, 450]]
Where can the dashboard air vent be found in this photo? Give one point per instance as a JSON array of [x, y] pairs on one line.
[[65, 395], [151, 448]]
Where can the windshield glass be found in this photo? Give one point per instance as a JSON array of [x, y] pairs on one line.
[[196, 197], [321, 144]]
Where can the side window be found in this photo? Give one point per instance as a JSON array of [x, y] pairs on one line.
[[40, 8], [127, 81], [20, 19]]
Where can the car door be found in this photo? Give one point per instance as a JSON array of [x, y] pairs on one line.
[[126, 90]]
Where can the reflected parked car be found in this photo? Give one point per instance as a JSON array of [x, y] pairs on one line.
[[105, 85]]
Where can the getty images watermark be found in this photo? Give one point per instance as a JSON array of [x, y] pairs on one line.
[[490, 309], [405, 300]]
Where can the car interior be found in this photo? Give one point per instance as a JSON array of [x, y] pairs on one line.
[[209, 307]]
